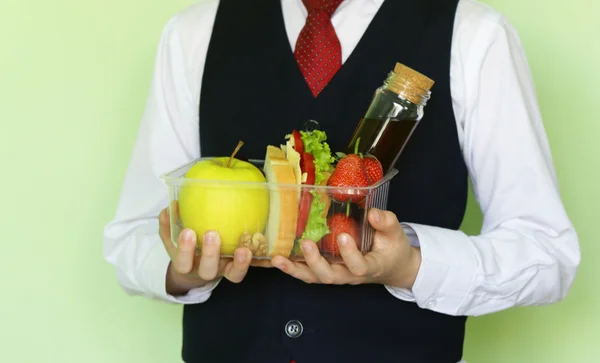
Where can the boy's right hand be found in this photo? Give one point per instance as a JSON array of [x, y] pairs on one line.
[[187, 271]]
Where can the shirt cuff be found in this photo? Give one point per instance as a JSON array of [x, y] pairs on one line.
[[447, 270], [155, 277]]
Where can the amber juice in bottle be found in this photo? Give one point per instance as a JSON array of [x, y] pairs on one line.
[[394, 113]]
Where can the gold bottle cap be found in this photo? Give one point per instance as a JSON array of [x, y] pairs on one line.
[[410, 83]]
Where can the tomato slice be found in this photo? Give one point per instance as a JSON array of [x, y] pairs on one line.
[[298, 144], [308, 167], [307, 164], [305, 202]]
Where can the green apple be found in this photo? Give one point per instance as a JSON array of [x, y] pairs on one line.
[[222, 202]]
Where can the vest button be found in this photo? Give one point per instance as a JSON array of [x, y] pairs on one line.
[[293, 329]]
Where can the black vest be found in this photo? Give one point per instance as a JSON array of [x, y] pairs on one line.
[[253, 90]]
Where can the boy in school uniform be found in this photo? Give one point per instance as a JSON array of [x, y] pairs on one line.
[[227, 66]]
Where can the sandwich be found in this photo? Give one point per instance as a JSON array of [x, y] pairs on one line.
[[297, 211]]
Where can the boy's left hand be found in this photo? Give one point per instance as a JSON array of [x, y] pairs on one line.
[[392, 260]]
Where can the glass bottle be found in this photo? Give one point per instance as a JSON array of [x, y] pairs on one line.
[[394, 113]]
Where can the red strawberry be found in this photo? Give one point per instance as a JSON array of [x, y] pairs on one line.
[[373, 168], [349, 173], [339, 223], [374, 172]]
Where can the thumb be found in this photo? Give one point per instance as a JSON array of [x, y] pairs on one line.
[[386, 223]]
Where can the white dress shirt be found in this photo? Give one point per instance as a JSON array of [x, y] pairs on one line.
[[527, 252]]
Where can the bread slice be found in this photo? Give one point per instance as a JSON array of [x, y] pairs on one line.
[[284, 203]]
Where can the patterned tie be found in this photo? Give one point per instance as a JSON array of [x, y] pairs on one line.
[[318, 50]]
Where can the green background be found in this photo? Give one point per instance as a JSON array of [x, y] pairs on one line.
[[74, 76]]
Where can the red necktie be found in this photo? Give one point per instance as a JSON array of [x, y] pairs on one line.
[[318, 50]]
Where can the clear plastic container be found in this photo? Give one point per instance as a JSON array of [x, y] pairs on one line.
[[263, 215]]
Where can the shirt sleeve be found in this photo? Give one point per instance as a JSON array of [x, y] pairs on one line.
[[527, 252], [167, 138]]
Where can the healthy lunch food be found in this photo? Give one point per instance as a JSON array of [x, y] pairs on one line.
[[302, 190]]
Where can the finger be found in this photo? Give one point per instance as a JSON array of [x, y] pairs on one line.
[[317, 263], [174, 210], [236, 270], [386, 223], [164, 231], [183, 261], [296, 270], [210, 257], [354, 260]]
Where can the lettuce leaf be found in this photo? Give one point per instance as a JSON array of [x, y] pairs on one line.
[[314, 143], [316, 226]]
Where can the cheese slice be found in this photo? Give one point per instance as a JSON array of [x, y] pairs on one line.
[[294, 158]]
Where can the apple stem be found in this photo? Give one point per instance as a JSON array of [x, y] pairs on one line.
[[237, 148], [347, 209]]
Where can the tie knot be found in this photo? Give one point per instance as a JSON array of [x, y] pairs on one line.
[[328, 6]]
